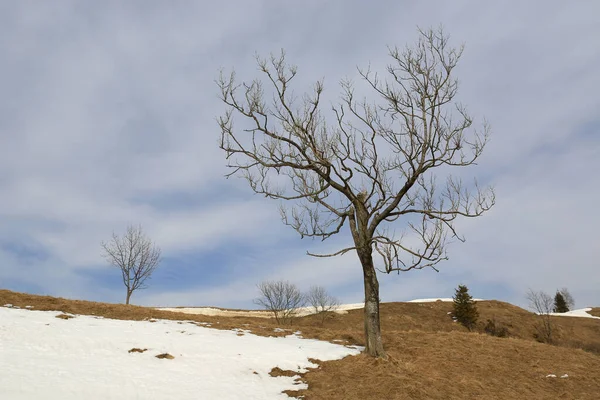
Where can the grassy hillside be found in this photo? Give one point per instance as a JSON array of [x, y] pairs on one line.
[[430, 356]]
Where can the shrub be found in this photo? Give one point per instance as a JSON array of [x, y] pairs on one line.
[[560, 304], [495, 330], [282, 298], [568, 298], [465, 309], [321, 301], [544, 327]]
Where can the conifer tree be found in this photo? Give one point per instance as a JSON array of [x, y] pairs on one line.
[[465, 309], [560, 304]]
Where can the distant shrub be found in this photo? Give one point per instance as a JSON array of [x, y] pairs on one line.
[[590, 347], [322, 303], [281, 298], [491, 328], [568, 298], [593, 347], [542, 304], [465, 309], [560, 304]]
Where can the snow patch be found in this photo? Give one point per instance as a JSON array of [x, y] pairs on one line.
[[89, 358], [436, 299], [581, 313]]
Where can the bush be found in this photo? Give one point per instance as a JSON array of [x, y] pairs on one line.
[[495, 330], [560, 304], [542, 304], [465, 309], [322, 303], [282, 298], [568, 298]]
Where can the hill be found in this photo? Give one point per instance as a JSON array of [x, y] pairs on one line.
[[430, 356]]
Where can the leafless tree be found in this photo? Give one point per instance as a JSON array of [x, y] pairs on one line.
[[282, 298], [372, 164], [543, 305], [568, 298], [321, 301], [135, 255]]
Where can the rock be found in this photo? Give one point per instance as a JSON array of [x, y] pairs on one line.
[[165, 355]]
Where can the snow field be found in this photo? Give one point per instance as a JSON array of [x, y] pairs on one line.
[[42, 356]]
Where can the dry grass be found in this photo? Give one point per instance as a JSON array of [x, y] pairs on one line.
[[430, 356], [137, 350], [595, 312]]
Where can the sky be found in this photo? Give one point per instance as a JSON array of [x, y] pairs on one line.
[[108, 118]]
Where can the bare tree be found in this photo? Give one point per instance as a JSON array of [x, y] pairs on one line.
[[543, 305], [282, 298], [371, 165], [568, 298], [321, 301], [135, 255]]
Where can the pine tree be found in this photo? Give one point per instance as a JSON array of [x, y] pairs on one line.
[[465, 309], [560, 304]]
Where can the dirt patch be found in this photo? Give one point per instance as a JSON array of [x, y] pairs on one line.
[[64, 316], [283, 372], [137, 350], [165, 356]]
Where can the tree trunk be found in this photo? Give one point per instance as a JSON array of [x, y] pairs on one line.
[[374, 345], [129, 292]]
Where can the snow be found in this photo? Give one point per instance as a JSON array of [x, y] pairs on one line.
[[436, 299], [341, 309], [581, 313], [302, 311], [42, 356]]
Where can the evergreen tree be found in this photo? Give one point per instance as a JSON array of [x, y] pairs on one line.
[[560, 304], [465, 309]]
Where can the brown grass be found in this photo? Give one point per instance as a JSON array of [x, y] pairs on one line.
[[595, 312], [137, 350], [430, 356]]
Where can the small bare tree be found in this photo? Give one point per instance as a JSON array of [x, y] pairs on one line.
[[135, 255], [543, 305], [371, 166], [282, 298], [321, 301], [568, 298]]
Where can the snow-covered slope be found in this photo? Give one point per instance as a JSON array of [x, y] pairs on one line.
[[582, 313], [44, 357]]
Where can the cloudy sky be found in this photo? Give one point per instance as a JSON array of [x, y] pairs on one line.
[[108, 117]]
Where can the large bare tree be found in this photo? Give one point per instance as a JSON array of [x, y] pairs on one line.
[[360, 163], [135, 255]]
